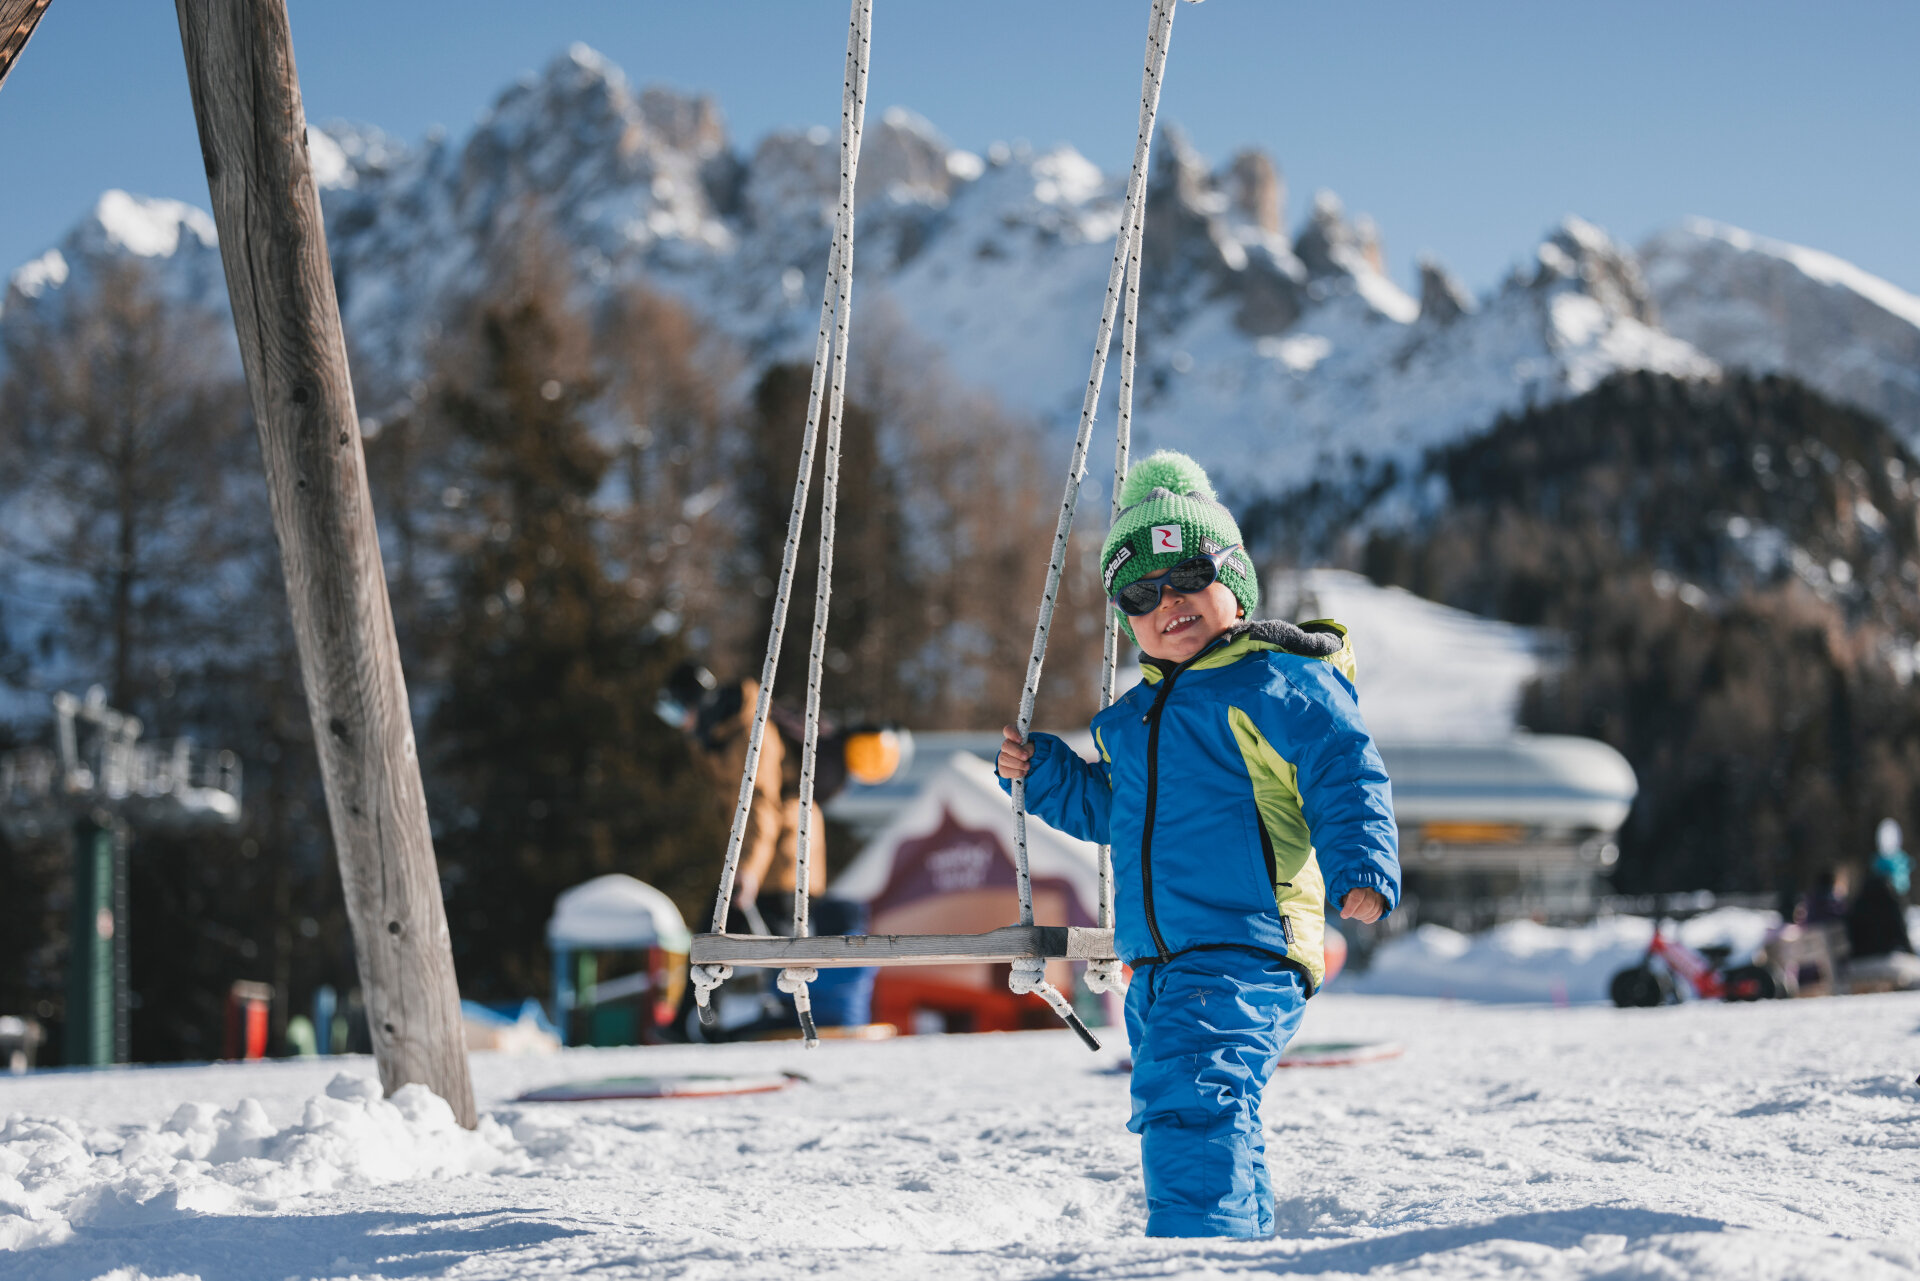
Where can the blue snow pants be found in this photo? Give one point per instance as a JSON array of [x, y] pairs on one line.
[[1207, 1029]]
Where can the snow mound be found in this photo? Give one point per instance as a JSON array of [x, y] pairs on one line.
[[56, 1175], [1523, 961]]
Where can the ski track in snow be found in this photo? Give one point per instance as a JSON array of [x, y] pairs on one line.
[[1772, 1141]]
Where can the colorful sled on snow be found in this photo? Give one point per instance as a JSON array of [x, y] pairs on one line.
[[1312, 1054], [692, 1085], [1339, 1053]]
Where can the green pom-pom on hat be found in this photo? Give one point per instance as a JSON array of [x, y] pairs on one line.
[[1169, 513], [1169, 470]]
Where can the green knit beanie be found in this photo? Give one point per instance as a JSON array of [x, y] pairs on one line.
[[1168, 513]]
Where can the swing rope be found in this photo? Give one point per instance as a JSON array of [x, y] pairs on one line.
[[853, 119], [1106, 975], [1029, 975], [835, 315]]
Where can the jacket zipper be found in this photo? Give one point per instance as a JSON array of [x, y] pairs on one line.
[[1146, 828], [1273, 877], [1266, 849]]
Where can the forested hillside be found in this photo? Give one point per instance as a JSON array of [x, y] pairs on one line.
[[1733, 565]]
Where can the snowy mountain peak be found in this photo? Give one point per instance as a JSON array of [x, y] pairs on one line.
[[1443, 299], [1822, 268], [1277, 360], [1343, 255], [148, 228], [690, 123], [1769, 306], [1256, 191], [175, 242], [1580, 252], [906, 160]]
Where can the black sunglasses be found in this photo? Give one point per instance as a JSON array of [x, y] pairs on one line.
[[1142, 596]]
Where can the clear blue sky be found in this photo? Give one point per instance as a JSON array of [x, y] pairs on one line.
[[1465, 128]]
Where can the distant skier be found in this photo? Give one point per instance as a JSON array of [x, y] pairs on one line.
[[1241, 793]]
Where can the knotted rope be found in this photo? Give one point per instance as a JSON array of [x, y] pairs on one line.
[[836, 311], [1029, 975]]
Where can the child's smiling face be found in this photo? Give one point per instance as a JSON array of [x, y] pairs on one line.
[[1185, 624]]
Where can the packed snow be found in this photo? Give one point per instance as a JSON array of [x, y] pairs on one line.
[[1701, 1141]]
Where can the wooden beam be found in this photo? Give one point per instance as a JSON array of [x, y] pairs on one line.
[[253, 135], [830, 951], [18, 18]]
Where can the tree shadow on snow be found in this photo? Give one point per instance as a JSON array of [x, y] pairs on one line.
[[1555, 1229], [248, 1247]]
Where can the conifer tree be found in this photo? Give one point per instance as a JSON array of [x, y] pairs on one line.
[[552, 766]]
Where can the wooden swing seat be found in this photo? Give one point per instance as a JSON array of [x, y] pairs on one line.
[[830, 951]]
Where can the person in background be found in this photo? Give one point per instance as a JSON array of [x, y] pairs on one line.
[[1826, 901], [718, 720], [1877, 937]]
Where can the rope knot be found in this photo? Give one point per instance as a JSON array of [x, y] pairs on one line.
[[1106, 976], [1029, 974]]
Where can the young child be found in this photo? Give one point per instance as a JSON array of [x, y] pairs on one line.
[[1239, 790]]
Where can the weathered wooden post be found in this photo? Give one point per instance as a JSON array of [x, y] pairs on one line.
[[253, 134], [18, 18]]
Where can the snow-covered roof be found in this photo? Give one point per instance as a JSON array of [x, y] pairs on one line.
[[1427, 672], [616, 911]]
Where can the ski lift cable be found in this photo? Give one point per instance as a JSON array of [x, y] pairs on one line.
[[1026, 946]]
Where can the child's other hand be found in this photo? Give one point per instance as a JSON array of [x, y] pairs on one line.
[[1015, 752], [1363, 905]]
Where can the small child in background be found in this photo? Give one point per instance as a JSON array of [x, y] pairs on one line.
[[1240, 792]]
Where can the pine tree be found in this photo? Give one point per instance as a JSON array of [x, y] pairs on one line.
[[552, 766]]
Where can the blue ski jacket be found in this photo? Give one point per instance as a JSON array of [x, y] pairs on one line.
[[1240, 792]]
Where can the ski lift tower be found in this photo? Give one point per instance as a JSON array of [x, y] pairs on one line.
[[101, 783]]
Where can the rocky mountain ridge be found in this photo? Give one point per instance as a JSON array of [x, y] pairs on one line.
[[1275, 359]]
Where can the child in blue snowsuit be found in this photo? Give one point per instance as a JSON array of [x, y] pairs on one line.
[[1240, 792]]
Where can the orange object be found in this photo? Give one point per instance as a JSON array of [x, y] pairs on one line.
[[873, 756], [249, 1007], [1336, 954], [914, 1002], [1453, 833]]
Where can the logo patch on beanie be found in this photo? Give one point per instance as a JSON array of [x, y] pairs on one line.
[[1166, 538], [1121, 555], [1210, 547]]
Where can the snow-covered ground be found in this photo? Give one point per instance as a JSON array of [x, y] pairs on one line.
[[1698, 1141]]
